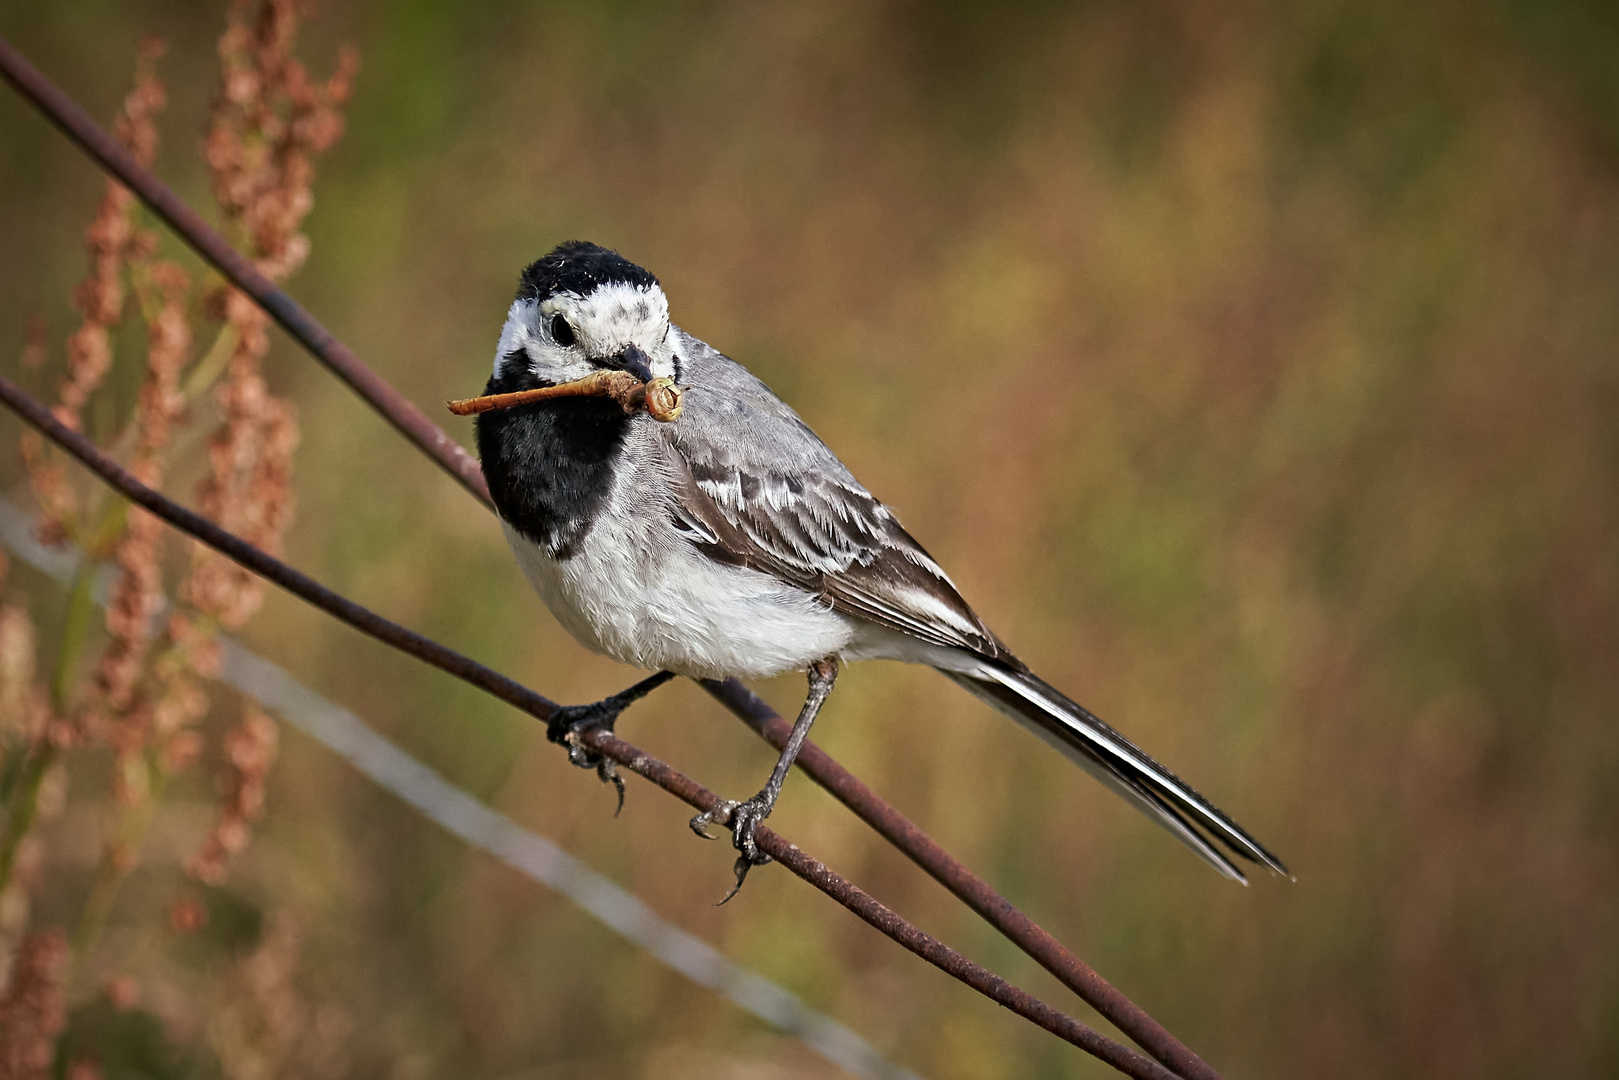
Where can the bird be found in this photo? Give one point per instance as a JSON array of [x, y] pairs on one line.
[[731, 542]]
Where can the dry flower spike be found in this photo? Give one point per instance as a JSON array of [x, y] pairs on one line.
[[145, 695], [112, 240], [32, 1009], [269, 121], [250, 750]]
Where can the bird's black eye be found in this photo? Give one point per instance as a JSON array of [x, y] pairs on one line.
[[561, 332]]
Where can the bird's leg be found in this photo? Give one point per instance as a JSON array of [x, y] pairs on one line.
[[571, 721], [745, 816]]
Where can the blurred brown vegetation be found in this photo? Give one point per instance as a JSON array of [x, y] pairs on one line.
[[1253, 370]]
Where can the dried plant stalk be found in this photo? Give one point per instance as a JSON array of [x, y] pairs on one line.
[[269, 122], [265, 1027], [126, 709], [40, 786], [112, 241], [144, 696], [32, 1009], [250, 750]]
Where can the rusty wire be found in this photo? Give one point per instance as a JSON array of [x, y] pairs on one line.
[[968, 887], [427, 436], [482, 828], [542, 708], [76, 124]]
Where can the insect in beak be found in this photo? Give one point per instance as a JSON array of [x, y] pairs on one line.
[[660, 397]]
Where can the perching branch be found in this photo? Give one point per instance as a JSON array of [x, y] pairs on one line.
[[411, 422]]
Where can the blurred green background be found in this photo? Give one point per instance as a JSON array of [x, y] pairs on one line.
[[1251, 367]]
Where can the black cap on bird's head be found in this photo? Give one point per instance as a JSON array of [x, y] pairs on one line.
[[578, 267]]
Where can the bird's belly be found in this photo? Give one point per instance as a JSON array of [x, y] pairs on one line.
[[675, 609]]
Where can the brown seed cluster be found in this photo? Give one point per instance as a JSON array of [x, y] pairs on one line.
[[266, 1027], [124, 706], [269, 122], [144, 697], [32, 1008], [112, 241], [248, 489], [249, 752], [168, 700]]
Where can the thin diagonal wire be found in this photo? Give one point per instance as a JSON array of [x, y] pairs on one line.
[[883, 918], [273, 570], [397, 409], [970, 889], [529, 853], [1130, 1018]]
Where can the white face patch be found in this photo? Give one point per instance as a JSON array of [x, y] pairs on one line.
[[614, 316], [521, 323]]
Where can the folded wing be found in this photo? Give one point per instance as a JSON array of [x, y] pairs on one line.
[[823, 532]]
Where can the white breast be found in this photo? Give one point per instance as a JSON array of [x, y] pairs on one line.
[[636, 591]]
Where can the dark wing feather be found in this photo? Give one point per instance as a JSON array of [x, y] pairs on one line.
[[823, 532]]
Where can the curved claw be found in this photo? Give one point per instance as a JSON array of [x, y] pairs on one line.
[[571, 723], [607, 771], [700, 823], [745, 819], [743, 865]]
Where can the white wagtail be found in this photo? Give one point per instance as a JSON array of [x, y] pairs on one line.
[[732, 542]]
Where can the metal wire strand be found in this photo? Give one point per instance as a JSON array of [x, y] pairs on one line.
[[480, 827], [446, 659], [428, 437]]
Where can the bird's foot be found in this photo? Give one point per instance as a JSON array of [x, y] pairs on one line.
[[580, 756], [743, 818], [571, 723]]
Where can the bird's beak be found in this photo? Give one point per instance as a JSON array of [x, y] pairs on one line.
[[634, 361]]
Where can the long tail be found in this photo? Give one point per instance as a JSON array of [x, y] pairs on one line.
[[1119, 764]]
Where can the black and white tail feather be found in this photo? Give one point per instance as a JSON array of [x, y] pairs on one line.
[[734, 542], [1121, 765]]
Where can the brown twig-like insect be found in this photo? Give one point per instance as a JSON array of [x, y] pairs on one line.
[[661, 397]]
